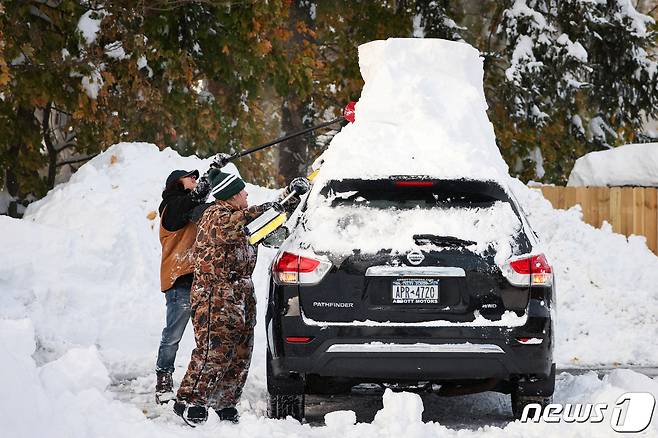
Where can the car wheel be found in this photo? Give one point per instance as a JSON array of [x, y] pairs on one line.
[[281, 406], [285, 396], [520, 401]]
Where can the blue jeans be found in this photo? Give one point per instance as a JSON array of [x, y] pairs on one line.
[[178, 314]]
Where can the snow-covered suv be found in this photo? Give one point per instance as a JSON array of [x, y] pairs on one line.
[[467, 305]]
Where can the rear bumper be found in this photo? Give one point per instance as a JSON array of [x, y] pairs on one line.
[[437, 363], [408, 353]]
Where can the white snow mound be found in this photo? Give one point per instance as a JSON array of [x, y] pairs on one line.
[[84, 262], [80, 307], [628, 165], [422, 111]]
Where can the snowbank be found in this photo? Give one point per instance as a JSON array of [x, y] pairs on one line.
[[84, 261], [80, 307], [422, 111], [628, 165], [606, 283], [63, 399]]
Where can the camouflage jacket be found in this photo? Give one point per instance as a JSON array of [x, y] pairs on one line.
[[222, 250]]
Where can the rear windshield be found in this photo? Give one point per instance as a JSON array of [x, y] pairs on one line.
[[402, 214], [406, 194]]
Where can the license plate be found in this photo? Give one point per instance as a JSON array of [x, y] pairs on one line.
[[415, 291]]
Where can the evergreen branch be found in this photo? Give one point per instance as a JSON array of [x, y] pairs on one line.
[[171, 5]]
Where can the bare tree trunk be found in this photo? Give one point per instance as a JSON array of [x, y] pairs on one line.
[[296, 113], [12, 183]]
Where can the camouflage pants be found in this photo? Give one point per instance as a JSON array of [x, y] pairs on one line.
[[223, 316]]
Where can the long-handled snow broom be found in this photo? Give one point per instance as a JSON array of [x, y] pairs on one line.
[[271, 219], [348, 114]]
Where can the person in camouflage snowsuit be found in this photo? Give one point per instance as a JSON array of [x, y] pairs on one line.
[[223, 302]]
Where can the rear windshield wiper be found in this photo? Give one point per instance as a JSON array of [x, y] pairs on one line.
[[441, 240]]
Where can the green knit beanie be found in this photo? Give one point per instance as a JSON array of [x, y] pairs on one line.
[[224, 185]]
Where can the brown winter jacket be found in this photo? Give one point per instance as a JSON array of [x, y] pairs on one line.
[[176, 254]]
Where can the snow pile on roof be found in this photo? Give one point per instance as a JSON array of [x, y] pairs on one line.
[[422, 111], [629, 165], [371, 229]]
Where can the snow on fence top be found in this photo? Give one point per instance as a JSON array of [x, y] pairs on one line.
[[629, 165], [422, 111]]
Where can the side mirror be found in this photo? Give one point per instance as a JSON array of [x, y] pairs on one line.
[[276, 238]]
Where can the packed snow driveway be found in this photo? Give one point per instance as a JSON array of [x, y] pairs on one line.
[[94, 311], [371, 410]]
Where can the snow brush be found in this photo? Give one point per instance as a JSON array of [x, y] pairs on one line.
[[271, 219], [348, 115]]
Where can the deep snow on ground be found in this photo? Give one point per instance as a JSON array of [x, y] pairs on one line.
[[80, 307], [628, 165]]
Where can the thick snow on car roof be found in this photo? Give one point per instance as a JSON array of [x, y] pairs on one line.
[[422, 111]]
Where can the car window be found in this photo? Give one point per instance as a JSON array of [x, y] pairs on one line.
[[386, 194]]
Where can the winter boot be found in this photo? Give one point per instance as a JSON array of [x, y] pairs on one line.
[[191, 414], [228, 414], [164, 391]]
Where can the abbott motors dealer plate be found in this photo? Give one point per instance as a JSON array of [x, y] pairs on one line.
[[415, 291]]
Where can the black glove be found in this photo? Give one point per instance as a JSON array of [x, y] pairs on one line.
[[200, 192], [299, 185], [220, 160], [275, 205]]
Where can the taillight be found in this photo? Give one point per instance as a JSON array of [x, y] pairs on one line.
[[299, 339], [529, 270], [414, 183], [291, 268]]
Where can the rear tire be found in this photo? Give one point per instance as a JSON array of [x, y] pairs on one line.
[[285, 396], [281, 406], [538, 391]]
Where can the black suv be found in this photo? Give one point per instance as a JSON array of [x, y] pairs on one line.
[[447, 312]]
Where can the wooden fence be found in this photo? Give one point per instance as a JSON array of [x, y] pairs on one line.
[[630, 210]]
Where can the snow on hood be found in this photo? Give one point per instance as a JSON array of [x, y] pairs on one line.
[[629, 165], [422, 111]]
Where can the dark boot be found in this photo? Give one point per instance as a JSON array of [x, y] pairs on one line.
[[164, 391], [191, 414], [228, 414]]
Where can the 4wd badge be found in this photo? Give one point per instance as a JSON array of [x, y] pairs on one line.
[[415, 257]]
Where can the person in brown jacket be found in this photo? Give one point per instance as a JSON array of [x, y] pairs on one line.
[[223, 302]]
